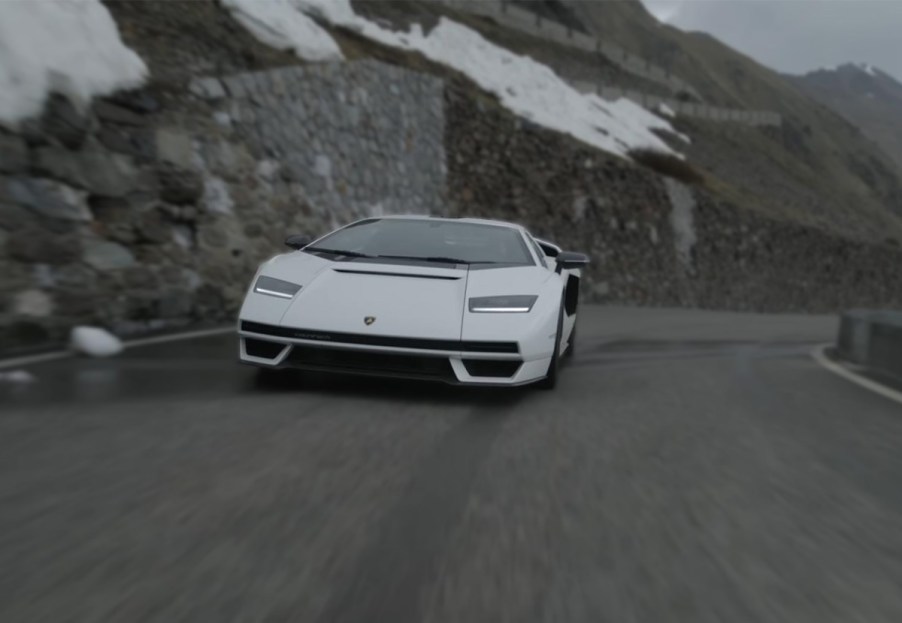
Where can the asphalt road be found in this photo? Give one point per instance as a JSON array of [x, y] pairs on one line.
[[690, 466]]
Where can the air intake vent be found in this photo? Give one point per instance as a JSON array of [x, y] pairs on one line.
[[488, 368], [363, 362], [262, 348]]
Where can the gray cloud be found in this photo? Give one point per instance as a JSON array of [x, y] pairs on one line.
[[797, 36]]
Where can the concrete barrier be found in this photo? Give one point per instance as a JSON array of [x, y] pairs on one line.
[[872, 339]]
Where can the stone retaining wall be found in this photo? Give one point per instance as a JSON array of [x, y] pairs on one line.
[[654, 242], [152, 210]]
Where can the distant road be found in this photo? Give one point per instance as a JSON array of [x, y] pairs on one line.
[[691, 466]]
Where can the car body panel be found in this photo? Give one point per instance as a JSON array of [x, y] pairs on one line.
[[410, 300], [401, 300]]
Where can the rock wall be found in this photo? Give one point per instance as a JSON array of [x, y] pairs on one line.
[[152, 209], [653, 242]]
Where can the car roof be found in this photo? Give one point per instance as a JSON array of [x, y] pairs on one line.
[[475, 221]]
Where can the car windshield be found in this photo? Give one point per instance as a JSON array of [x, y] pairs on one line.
[[430, 240]]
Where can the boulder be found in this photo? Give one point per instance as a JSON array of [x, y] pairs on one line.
[[217, 199], [174, 146], [49, 198], [13, 154], [100, 172], [13, 217], [136, 142], [151, 226], [113, 113], [37, 245], [63, 121], [207, 88], [179, 185], [173, 304], [139, 101], [183, 236], [103, 255]]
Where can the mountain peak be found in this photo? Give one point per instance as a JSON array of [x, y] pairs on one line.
[[857, 68]]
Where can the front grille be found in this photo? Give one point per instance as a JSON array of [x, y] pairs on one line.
[[497, 369], [389, 364], [262, 348], [380, 340]]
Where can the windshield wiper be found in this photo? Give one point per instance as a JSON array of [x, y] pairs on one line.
[[337, 252], [436, 259]]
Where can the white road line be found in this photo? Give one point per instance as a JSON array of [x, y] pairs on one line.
[[176, 337], [30, 360], [819, 355]]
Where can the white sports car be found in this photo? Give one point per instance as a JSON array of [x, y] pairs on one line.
[[466, 301]]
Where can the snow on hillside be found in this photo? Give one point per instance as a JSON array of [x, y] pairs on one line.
[[526, 87], [72, 47], [280, 24]]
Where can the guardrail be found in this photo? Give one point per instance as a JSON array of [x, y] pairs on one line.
[[872, 339], [687, 109], [534, 24]]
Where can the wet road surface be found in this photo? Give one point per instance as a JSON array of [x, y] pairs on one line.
[[690, 466]]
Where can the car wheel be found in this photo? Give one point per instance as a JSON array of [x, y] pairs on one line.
[[550, 380], [571, 344]]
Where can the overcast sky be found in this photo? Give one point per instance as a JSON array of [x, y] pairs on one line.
[[797, 36]]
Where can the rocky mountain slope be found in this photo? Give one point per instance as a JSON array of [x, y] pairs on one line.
[[819, 168], [864, 95]]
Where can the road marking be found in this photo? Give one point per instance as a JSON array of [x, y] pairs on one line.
[[819, 355], [30, 360]]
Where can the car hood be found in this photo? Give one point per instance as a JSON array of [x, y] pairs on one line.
[[376, 298]]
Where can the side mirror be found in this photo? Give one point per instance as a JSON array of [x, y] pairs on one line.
[[298, 241], [568, 260]]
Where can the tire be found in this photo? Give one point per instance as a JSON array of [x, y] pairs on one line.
[[550, 380], [571, 346]]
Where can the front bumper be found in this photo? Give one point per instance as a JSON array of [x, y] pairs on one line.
[[456, 362]]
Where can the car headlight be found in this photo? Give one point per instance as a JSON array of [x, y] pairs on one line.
[[518, 303], [275, 287]]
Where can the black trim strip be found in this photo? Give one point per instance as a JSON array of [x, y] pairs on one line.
[[380, 340], [387, 274]]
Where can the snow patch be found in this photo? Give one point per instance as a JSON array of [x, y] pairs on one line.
[[94, 342], [17, 377], [279, 24], [666, 110], [868, 69], [72, 47], [524, 86]]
